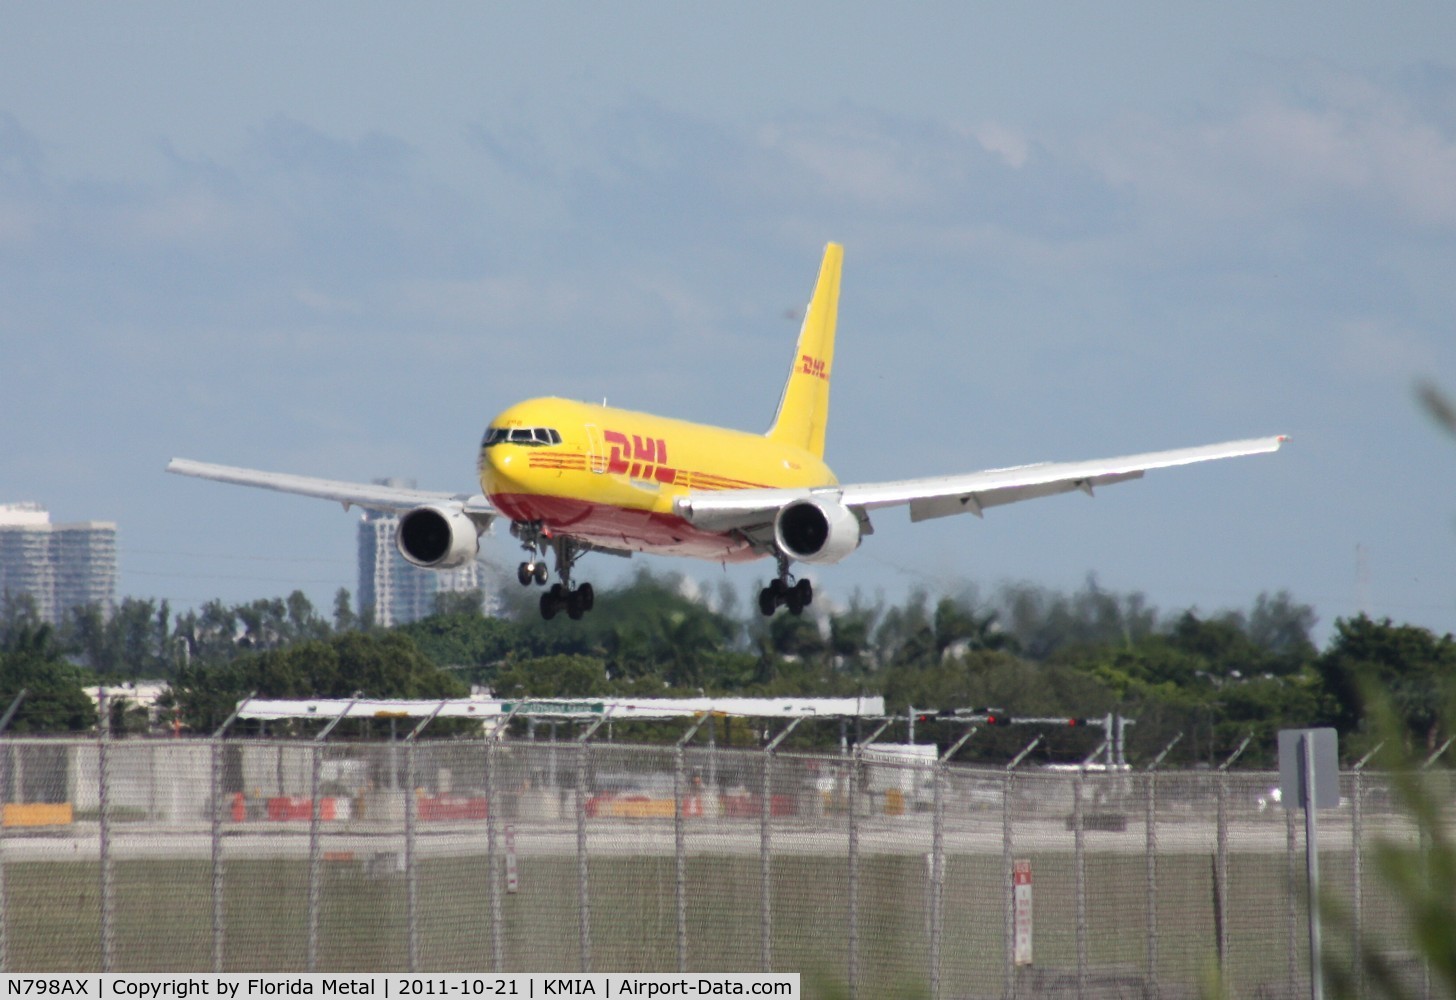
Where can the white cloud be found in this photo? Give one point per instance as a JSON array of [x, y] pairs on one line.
[[847, 162], [1352, 148], [1010, 145]]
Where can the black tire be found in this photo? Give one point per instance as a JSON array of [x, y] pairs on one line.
[[767, 602], [525, 573], [549, 605], [587, 596], [805, 591], [574, 610], [540, 574], [792, 602]]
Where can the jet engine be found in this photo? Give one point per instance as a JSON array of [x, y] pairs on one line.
[[437, 536], [816, 530]]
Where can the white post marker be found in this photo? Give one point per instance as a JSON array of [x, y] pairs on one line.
[[512, 881], [1309, 778], [1021, 895]]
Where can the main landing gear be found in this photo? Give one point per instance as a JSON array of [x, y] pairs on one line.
[[575, 601], [781, 593]]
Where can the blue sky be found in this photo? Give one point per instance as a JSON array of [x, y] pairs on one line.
[[337, 238]]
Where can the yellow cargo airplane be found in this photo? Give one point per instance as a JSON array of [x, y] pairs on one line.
[[575, 477]]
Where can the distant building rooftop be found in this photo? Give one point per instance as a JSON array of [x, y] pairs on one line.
[[25, 514]]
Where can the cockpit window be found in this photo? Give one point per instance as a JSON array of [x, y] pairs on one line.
[[532, 436]]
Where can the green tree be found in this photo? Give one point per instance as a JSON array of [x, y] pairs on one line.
[[381, 665], [459, 602], [31, 660], [1413, 667], [1041, 622], [344, 618], [559, 676], [471, 644]]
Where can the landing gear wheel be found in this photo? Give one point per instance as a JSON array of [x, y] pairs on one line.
[[525, 573], [587, 596], [767, 602], [793, 602], [805, 590], [549, 605], [540, 574], [574, 609]]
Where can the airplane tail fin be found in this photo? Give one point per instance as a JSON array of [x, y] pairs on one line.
[[804, 407]]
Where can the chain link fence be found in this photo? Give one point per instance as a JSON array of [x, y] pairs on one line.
[[870, 876]]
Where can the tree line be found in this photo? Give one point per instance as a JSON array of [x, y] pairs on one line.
[[1024, 650]]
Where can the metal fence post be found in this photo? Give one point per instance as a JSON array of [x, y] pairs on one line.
[[216, 856], [583, 896], [218, 925], [765, 855], [680, 845], [852, 862], [937, 874], [1079, 891], [1291, 908], [315, 834], [1150, 822], [1357, 869], [856, 775], [937, 861], [103, 738], [315, 857], [1220, 863], [1424, 839], [5, 751], [411, 822], [492, 881], [6, 774], [492, 862], [1008, 888], [1079, 862], [765, 864], [411, 858]]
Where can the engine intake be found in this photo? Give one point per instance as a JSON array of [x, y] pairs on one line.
[[816, 530], [437, 536]]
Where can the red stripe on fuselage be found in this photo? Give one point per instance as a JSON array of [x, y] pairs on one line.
[[623, 527]]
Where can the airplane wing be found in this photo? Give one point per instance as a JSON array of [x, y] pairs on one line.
[[969, 493], [370, 496]]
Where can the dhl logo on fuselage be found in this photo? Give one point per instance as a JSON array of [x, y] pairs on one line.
[[634, 456], [637, 457], [814, 367]]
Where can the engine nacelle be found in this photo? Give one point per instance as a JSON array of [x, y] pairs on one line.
[[816, 530], [437, 536]]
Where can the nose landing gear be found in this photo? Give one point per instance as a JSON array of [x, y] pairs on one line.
[[532, 571]]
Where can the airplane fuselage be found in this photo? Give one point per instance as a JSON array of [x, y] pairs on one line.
[[609, 476]]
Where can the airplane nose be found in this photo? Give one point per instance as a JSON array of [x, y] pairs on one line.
[[496, 470]]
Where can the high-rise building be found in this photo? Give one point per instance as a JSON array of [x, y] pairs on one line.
[[61, 566], [398, 591]]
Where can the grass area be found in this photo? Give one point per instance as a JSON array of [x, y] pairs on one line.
[[164, 916]]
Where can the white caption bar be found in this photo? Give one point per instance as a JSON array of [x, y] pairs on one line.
[[393, 986]]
